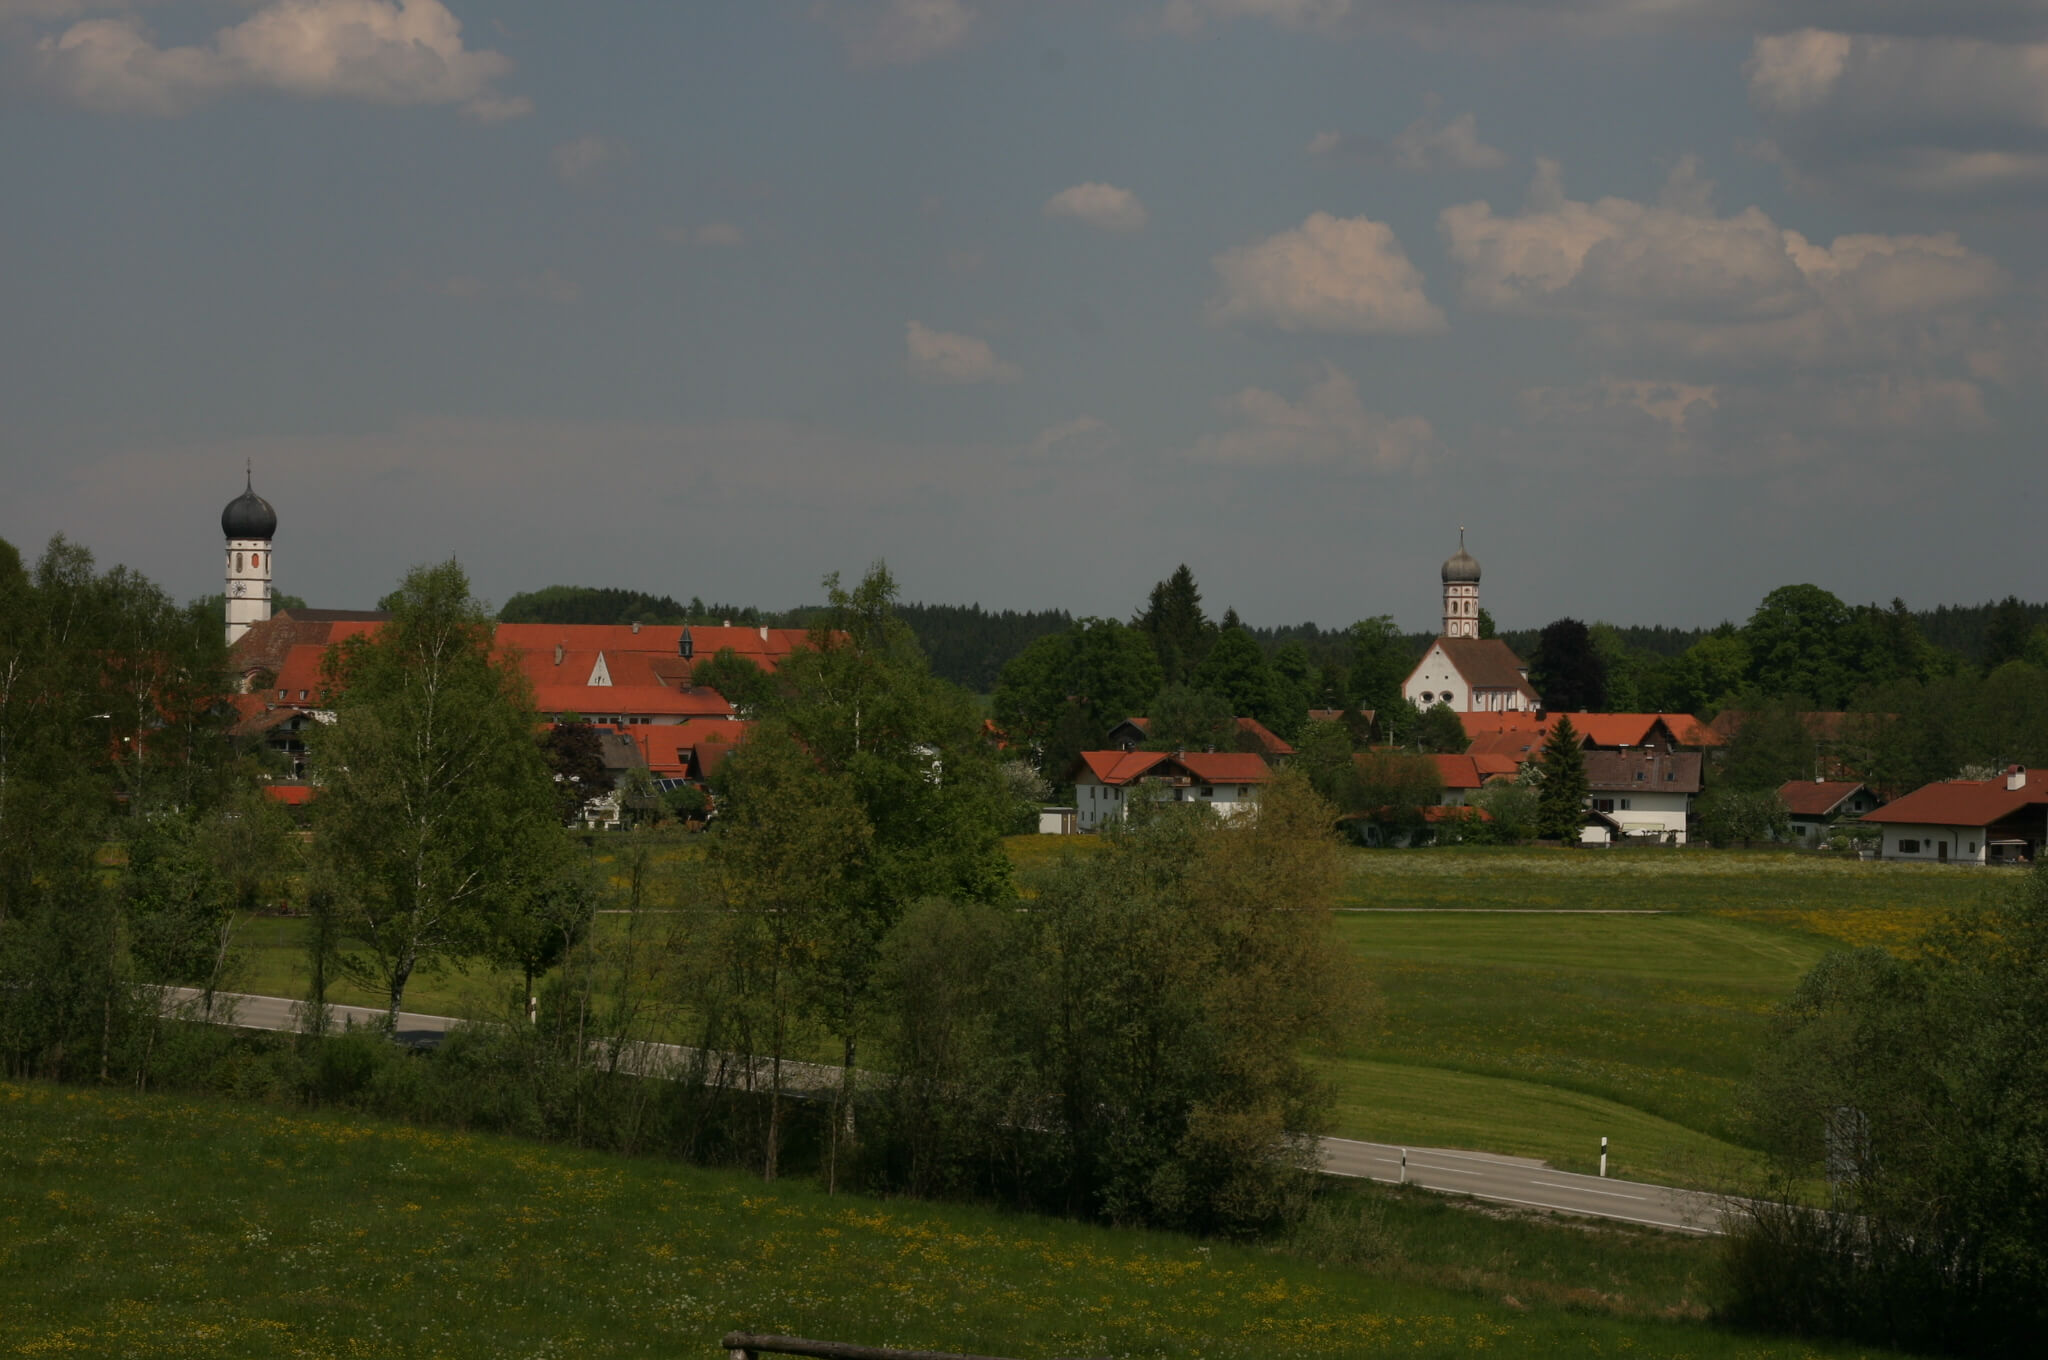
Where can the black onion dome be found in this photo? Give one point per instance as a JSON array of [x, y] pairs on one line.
[[249, 516], [1462, 569]]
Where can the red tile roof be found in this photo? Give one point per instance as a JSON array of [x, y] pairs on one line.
[[1471, 771], [1217, 767], [291, 795], [1965, 802], [1816, 797], [643, 701], [1226, 767]]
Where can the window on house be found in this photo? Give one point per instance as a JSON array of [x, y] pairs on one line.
[[1670, 776], [1243, 793], [280, 694], [302, 694], [1208, 791], [1639, 776], [1603, 805], [1624, 805], [1909, 847], [1973, 847]]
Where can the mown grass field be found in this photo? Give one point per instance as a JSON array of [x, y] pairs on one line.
[[152, 1226], [1536, 1000]]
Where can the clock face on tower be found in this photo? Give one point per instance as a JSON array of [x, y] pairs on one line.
[[241, 588]]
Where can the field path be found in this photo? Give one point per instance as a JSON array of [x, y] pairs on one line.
[[1521, 1181]]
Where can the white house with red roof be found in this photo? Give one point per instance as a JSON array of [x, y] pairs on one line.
[[1968, 821], [1105, 782]]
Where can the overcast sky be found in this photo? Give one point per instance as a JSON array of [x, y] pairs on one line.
[[1668, 301]]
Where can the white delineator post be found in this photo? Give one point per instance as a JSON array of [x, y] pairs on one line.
[[1404, 1166], [1603, 1154]]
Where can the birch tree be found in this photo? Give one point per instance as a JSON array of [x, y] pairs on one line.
[[435, 795]]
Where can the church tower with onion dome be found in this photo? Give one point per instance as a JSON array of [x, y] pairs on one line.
[[1461, 593], [249, 525]]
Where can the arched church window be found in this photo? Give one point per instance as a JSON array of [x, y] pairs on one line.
[[238, 561], [256, 561]]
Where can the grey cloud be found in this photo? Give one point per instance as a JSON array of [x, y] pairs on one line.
[[897, 32], [1422, 146], [1938, 116]]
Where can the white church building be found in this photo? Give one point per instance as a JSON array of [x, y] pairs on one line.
[[1461, 669]]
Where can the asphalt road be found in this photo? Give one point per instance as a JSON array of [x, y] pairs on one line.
[[1526, 1182], [1520, 1181]]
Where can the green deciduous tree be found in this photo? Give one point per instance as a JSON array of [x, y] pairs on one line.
[[1167, 989], [1561, 799], [1061, 694], [1913, 1082], [738, 680], [1799, 640], [1732, 815], [794, 857], [1441, 732], [1380, 662], [436, 797]]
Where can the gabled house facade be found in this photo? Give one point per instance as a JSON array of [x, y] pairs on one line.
[[1106, 782], [1643, 796]]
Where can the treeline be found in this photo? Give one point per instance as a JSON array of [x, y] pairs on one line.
[[853, 895], [609, 605], [969, 645]]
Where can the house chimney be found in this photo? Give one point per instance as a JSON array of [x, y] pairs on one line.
[[558, 653], [764, 632], [636, 627], [2015, 778], [686, 645], [726, 624]]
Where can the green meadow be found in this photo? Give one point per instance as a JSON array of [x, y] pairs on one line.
[[156, 1226], [1537, 1000]]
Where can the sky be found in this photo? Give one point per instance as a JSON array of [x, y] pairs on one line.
[[1666, 302]]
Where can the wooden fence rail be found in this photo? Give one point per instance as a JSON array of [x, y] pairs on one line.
[[747, 1346]]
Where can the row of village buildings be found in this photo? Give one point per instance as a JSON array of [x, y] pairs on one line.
[[1645, 771]]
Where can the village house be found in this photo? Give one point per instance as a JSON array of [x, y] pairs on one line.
[[1814, 806], [1106, 781], [1463, 776], [1640, 795], [1968, 821]]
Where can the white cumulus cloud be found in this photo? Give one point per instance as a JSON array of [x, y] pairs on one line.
[[376, 51], [940, 356], [1328, 425], [1336, 274], [1099, 205], [1739, 288]]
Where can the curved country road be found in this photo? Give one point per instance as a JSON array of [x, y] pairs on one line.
[[1520, 1181]]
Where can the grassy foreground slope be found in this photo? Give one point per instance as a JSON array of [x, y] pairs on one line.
[[146, 1226]]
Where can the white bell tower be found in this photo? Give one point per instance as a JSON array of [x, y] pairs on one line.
[[249, 525], [1461, 593]]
